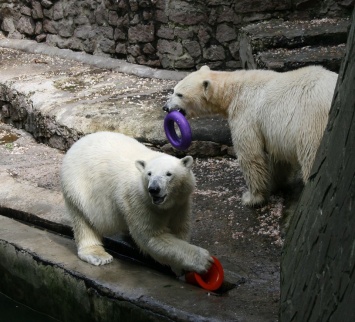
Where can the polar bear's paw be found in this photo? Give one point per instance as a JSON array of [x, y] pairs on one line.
[[251, 200], [201, 261], [95, 255]]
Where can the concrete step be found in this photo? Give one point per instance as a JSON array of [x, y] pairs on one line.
[[282, 59], [270, 38]]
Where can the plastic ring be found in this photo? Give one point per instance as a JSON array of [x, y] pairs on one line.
[[183, 142], [212, 280]]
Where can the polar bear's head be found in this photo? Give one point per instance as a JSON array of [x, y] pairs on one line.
[[193, 95], [167, 180]]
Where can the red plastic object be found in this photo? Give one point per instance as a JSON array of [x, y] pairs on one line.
[[211, 281]]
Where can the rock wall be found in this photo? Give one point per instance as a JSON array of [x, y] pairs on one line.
[[170, 34]]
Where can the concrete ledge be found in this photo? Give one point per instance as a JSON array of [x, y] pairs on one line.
[[59, 100], [33, 47], [38, 264]]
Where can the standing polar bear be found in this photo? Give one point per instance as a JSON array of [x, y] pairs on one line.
[[112, 183], [276, 119]]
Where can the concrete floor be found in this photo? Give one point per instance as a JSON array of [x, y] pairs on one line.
[[39, 258]]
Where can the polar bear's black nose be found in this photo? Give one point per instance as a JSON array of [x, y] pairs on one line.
[[154, 190], [166, 108]]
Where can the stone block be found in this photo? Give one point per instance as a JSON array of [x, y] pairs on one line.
[[246, 6], [192, 47], [107, 46], [41, 38], [50, 26], [161, 16], [170, 47], [26, 26], [46, 3], [184, 33], [225, 33], [101, 15], [58, 12], [165, 32], [81, 19], [37, 12], [106, 32], [134, 50], [214, 53], [265, 36], [84, 32], [204, 34], [119, 34], [113, 18], [121, 48], [282, 59], [8, 25], [48, 13], [184, 62], [39, 28], [186, 13], [227, 14], [148, 49], [141, 33], [66, 28], [26, 11], [133, 5]]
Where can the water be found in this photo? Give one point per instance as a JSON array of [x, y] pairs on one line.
[[12, 311]]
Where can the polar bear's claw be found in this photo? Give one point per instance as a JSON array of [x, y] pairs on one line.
[[249, 199], [95, 255], [202, 261]]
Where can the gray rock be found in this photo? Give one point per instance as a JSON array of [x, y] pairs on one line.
[[37, 12], [225, 33], [214, 53], [26, 25], [46, 3], [141, 33], [186, 13]]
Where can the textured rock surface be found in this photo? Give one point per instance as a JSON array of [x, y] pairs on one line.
[[181, 34], [59, 100], [282, 46]]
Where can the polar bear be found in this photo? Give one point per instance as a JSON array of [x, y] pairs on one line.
[[276, 119], [112, 183]]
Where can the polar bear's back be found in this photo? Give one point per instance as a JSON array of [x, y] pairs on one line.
[[104, 154], [109, 144], [295, 109], [98, 168]]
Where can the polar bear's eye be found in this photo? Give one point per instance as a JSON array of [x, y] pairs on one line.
[[179, 95], [149, 173], [169, 174]]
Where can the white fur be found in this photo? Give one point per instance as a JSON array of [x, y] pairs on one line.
[[105, 180], [275, 118]]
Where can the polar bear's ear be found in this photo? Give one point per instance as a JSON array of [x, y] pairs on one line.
[[204, 68], [140, 164], [187, 161], [207, 88]]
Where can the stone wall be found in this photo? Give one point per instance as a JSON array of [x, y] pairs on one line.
[[170, 34]]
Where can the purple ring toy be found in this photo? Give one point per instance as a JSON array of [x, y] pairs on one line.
[[183, 142]]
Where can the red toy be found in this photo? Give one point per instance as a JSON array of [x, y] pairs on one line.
[[211, 281]]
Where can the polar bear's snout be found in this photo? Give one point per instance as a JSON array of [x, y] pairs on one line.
[[171, 107], [156, 192]]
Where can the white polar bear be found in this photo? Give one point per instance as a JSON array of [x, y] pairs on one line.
[[276, 119], [112, 183]]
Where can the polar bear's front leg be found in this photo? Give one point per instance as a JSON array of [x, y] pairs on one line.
[[89, 243], [178, 254], [255, 168]]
